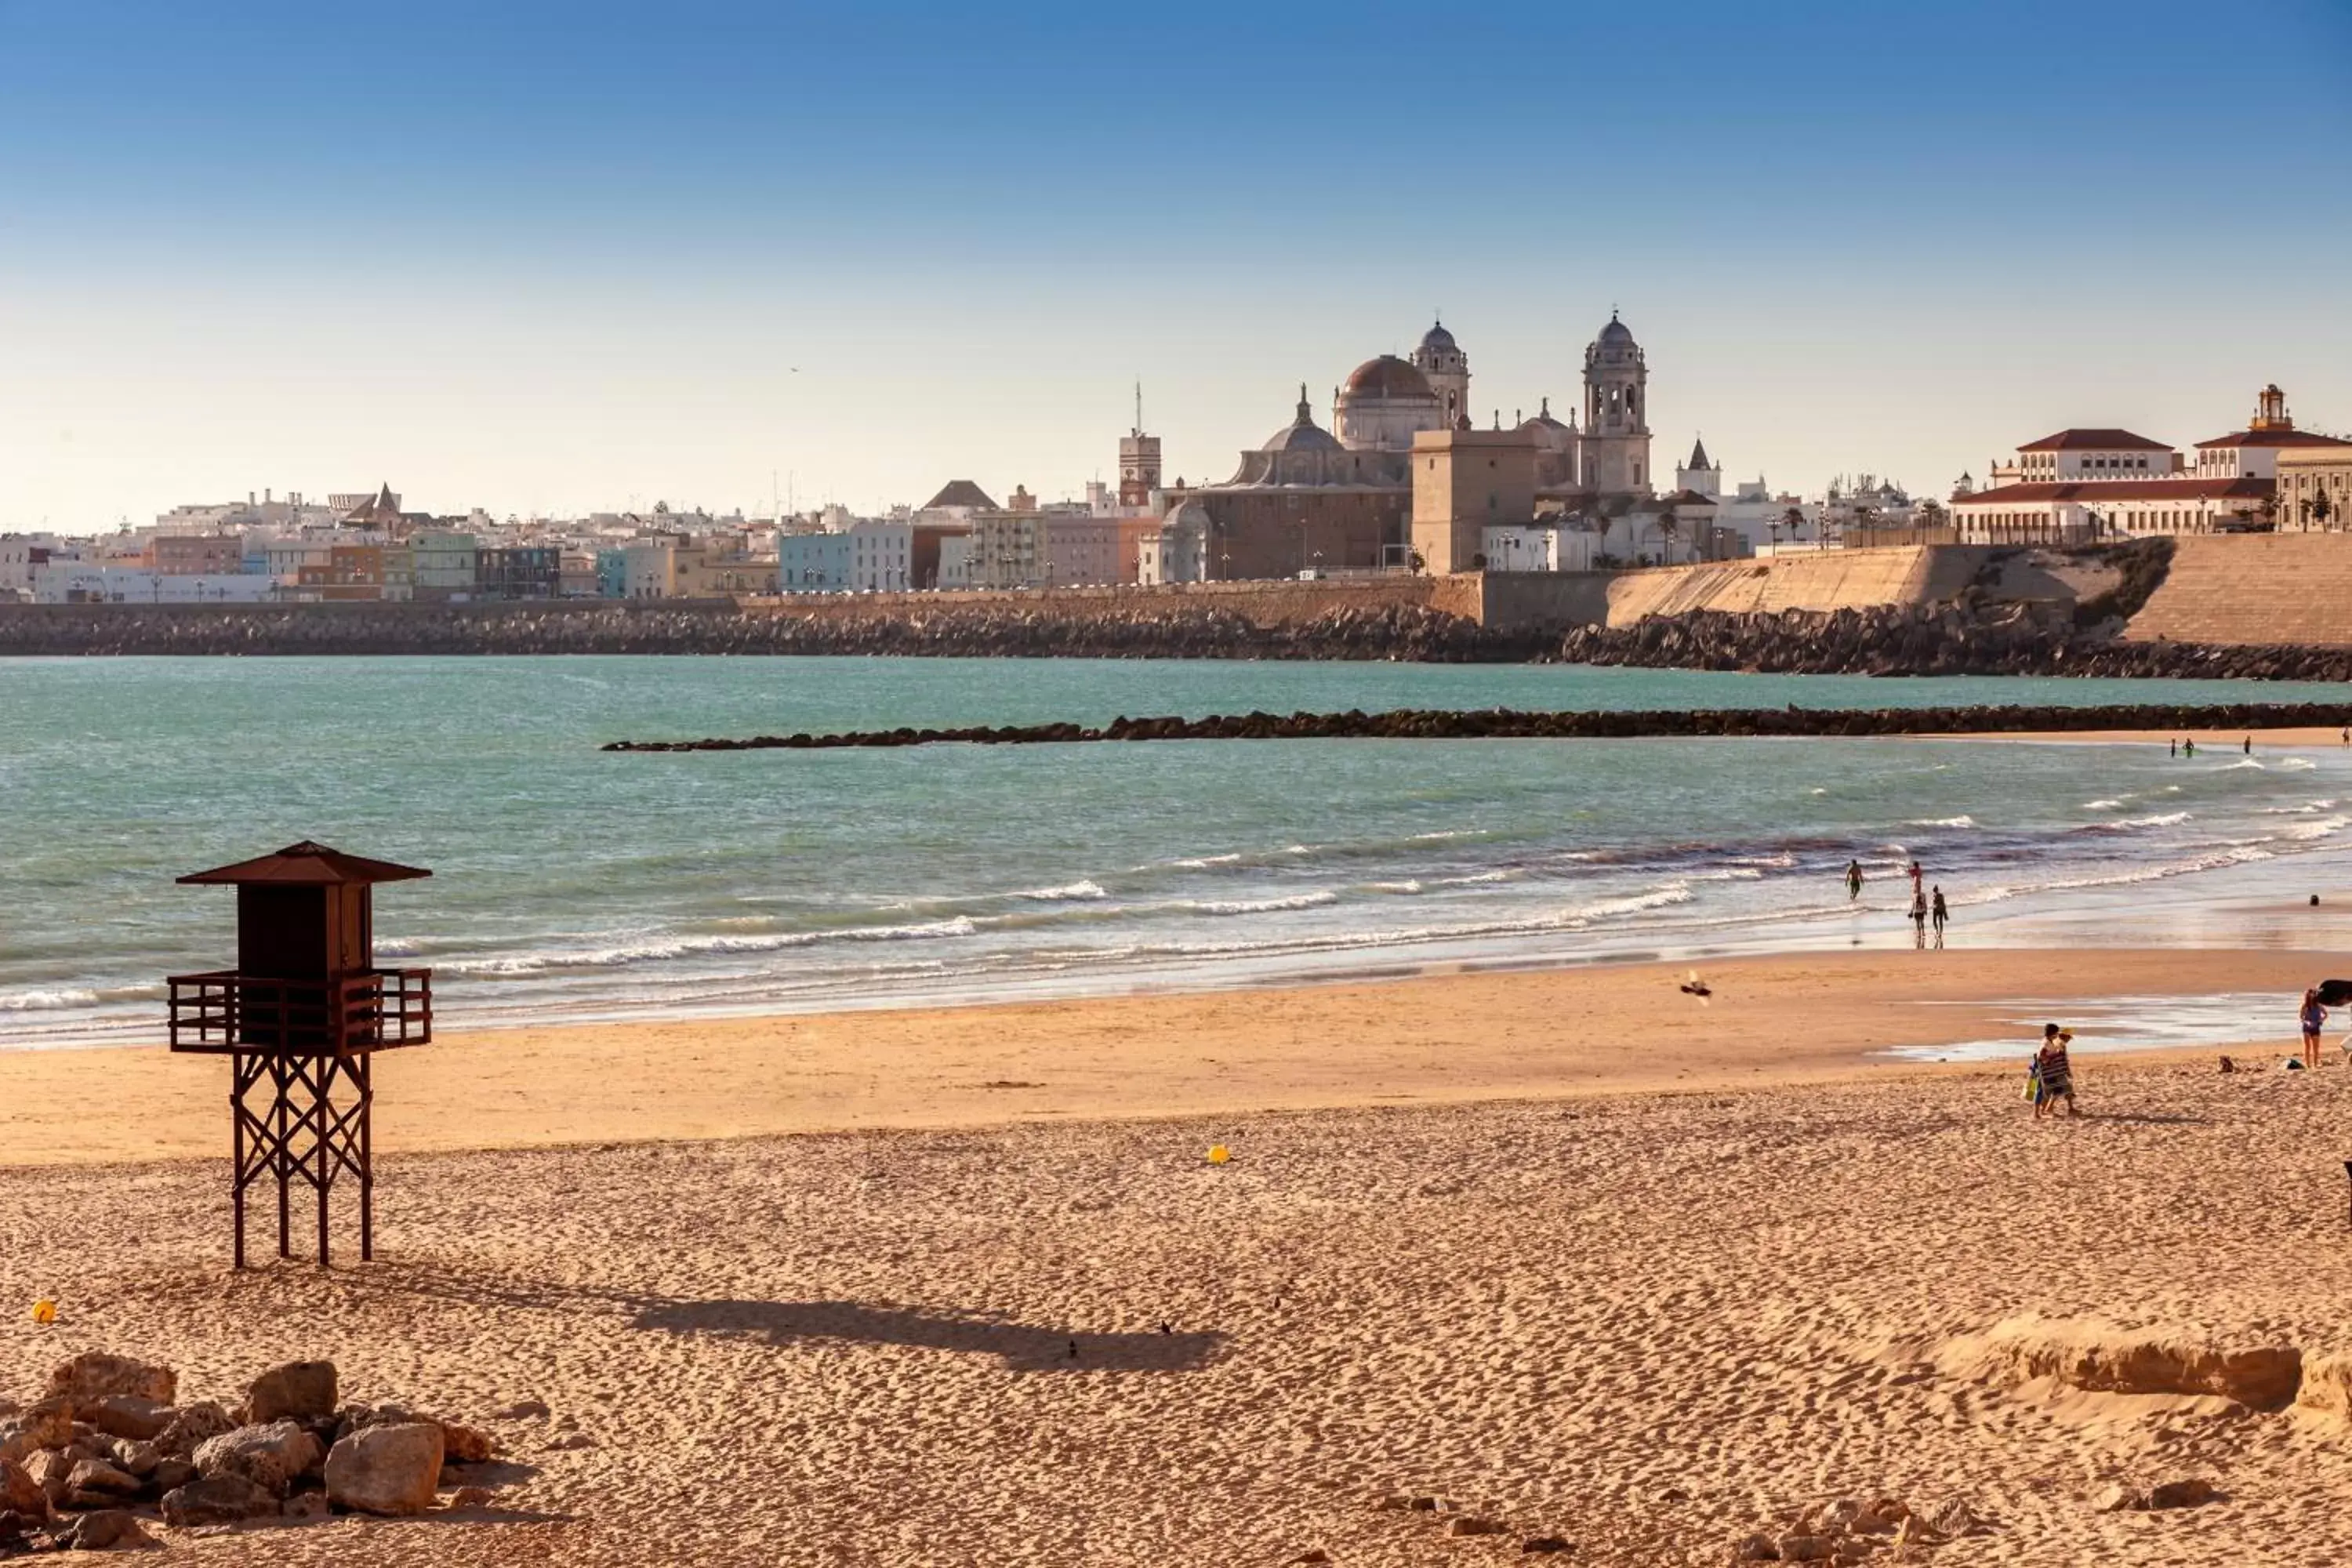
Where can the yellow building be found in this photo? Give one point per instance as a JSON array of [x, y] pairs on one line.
[[2314, 489]]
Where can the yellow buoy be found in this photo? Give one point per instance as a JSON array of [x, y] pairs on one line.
[[1219, 1154], [44, 1311]]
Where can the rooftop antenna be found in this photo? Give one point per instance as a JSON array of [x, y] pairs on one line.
[[1138, 406]]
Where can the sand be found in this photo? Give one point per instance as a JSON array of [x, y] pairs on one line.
[[1563, 1247]]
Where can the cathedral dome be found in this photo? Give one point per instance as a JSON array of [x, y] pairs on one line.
[[1302, 433], [1437, 339], [1388, 376], [1616, 332]]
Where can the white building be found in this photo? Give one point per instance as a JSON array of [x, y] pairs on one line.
[[1178, 550], [70, 582]]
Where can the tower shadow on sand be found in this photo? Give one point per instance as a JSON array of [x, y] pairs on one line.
[[1021, 1347]]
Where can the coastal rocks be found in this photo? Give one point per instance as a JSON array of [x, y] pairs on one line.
[[1502, 724], [2119, 1497], [127, 1416], [271, 1455], [2327, 1390], [96, 1375], [191, 1424], [108, 1530], [48, 1423], [1849, 1530], [302, 1390], [386, 1469], [19, 1492]]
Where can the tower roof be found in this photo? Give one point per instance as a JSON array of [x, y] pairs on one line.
[[1698, 456], [308, 863], [1302, 433], [960, 492], [1616, 332], [1438, 340]]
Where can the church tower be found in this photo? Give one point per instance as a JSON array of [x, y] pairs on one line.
[[1699, 476], [1447, 368], [1138, 460], [1616, 443]]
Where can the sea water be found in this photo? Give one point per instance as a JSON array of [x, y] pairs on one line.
[[574, 884]]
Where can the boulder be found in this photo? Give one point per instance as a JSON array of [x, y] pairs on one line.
[[51, 1469], [1755, 1549], [1471, 1525], [302, 1390], [171, 1473], [2118, 1497], [94, 1375], [2191, 1493], [108, 1530], [271, 1456], [48, 1423], [19, 1492], [93, 1481], [136, 1458], [191, 1426], [1806, 1548], [217, 1499], [126, 1415], [1954, 1517], [386, 1469]]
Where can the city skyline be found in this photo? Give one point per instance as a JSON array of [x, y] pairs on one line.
[[561, 259]]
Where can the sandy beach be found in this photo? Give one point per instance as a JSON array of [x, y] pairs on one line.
[[1563, 1249]]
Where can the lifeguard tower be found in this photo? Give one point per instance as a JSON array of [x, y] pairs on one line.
[[301, 1015]]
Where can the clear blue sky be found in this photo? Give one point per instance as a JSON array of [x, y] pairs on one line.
[[550, 257]]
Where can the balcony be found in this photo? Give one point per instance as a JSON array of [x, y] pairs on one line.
[[224, 1011]]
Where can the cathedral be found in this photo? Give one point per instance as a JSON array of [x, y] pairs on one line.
[[1312, 498]]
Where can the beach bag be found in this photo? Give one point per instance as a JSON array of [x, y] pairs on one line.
[[2034, 1081]]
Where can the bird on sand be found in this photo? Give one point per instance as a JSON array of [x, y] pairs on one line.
[[1695, 987]]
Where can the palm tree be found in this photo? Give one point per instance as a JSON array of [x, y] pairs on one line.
[[1793, 520], [2319, 508], [1669, 528]]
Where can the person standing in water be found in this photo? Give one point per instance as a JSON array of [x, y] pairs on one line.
[[1918, 920], [2189, 747], [2176, 746], [1853, 880], [2249, 745], [1939, 914]]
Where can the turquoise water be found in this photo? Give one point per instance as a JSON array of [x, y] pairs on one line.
[[571, 883]]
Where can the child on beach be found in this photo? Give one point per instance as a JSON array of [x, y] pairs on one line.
[[2052, 1077], [2315, 1018]]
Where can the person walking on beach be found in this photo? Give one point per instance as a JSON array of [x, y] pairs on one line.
[[1939, 914], [2313, 1019], [1918, 918], [1853, 880], [2053, 1074]]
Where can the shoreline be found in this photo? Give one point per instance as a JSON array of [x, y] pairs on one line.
[[1774, 1021]]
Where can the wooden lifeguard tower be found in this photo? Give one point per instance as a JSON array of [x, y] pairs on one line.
[[300, 1015]]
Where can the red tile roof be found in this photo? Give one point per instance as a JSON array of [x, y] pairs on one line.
[[308, 863], [2095, 441], [2123, 491], [2273, 438]]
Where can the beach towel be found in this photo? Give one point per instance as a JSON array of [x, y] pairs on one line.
[[2057, 1072]]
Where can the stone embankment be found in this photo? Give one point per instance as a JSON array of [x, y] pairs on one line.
[[1169, 629], [1503, 723]]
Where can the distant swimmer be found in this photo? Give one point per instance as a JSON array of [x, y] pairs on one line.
[[1853, 880], [2176, 747], [2249, 745], [2189, 747]]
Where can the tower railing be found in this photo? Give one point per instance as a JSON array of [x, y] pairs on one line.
[[225, 1012]]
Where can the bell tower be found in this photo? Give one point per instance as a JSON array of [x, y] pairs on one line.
[[1138, 460], [1447, 368], [2270, 410], [1616, 444]]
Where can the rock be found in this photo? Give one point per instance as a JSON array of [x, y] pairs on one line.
[[2118, 1497], [466, 1445], [1394, 1501], [308, 1508], [386, 1469], [126, 1415], [136, 1458], [1472, 1524], [1806, 1548], [473, 1497], [1543, 1543], [1755, 1549], [20, 1493], [1954, 1517], [217, 1499], [1419, 1504], [2191, 1493], [303, 1390], [94, 1375], [15, 1526], [97, 1479], [171, 1473], [108, 1530], [191, 1426], [1853, 1549], [52, 1469], [48, 1423], [271, 1456], [1312, 1554], [522, 1410]]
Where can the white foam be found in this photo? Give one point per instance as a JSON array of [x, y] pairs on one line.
[[1941, 822], [1259, 906], [1408, 886], [661, 949], [2103, 805], [39, 1001], [1205, 861], [1479, 876], [1079, 889]]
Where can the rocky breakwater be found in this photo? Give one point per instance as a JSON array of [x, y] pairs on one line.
[[1506, 723], [1144, 627], [1973, 634], [107, 1457]]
